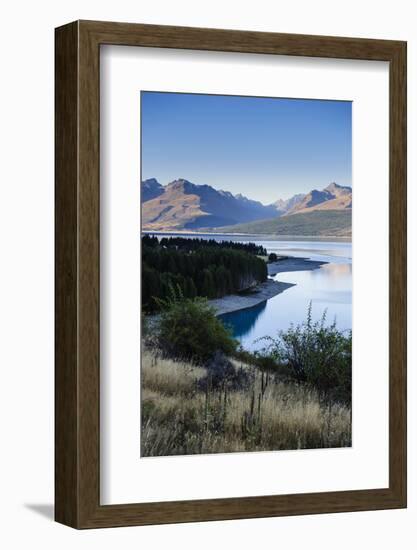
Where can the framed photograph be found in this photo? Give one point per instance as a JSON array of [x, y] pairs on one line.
[[230, 274]]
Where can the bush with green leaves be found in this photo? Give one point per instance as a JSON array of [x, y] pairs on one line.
[[316, 354], [189, 329]]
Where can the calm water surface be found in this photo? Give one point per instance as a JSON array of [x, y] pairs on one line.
[[328, 288]]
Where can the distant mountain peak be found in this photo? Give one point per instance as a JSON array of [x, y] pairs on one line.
[[332, 197], [182, 204], [178, 181], [229, 194], [284, 205], [331, 186], [185, 205], [336, 189], [150, 189]]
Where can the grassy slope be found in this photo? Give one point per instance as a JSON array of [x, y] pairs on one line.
[[319, 223], [179, 418]]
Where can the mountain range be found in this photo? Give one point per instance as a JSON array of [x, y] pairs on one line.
[[182, 205]]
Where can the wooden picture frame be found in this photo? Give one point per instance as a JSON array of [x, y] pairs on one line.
[[77, 405]]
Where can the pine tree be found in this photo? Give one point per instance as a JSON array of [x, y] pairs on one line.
[[208, 289], [190, 288]]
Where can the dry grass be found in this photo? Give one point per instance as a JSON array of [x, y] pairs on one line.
[[168, 377], [179, 416]]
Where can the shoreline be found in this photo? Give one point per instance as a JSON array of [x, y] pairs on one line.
[[292, 263], [268, 236], [267, 290], [238, 302]]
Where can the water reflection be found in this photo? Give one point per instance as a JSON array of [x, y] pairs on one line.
[[328, 288], [243, 321]]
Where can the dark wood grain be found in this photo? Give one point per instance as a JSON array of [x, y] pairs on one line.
[[398, 273], [78, 285], [66, 238]]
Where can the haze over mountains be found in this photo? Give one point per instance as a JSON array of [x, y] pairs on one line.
[[182, 205], [284, 206]]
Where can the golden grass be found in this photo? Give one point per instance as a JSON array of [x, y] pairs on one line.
[[168, 377], [181, 417]]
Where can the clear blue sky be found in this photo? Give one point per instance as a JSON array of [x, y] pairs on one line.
[[264, 148]]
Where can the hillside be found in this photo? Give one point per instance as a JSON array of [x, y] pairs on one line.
[[185, 205], [332, 197], [150, 189], [284, 206], [182, 205], [326, 223]]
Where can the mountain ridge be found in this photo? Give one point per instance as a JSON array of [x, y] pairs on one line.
[[182, 204], [332, 197], [150, 189], [185, 205]]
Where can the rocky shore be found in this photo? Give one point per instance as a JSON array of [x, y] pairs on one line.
[[266, 290], [235, 302]]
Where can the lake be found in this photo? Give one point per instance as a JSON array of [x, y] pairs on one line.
[[329, 288]]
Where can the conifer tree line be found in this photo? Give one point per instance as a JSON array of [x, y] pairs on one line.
[[198, 267], [187, 244]]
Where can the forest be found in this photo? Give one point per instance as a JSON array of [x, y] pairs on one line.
[[198, 267]]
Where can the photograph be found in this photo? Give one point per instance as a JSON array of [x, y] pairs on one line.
[[246, 268]]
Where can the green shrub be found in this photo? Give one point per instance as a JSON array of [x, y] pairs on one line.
[[190, 330], [315, 354]]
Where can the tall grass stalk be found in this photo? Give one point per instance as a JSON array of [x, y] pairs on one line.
[[180, 415]]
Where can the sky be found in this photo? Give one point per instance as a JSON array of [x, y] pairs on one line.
[[264, 148]]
